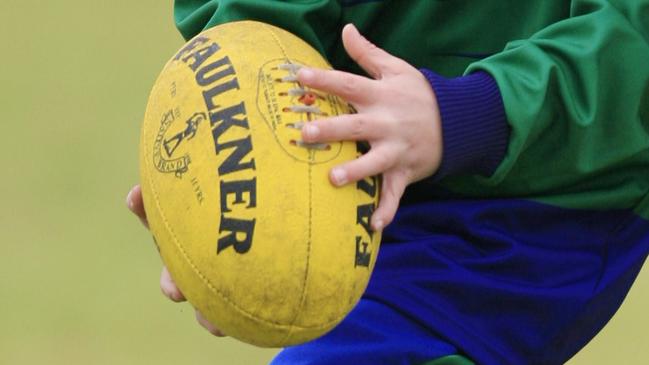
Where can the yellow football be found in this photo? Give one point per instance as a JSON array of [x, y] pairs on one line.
[[245, 218]]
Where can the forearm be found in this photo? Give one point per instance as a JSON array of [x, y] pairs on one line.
[[576, 96]]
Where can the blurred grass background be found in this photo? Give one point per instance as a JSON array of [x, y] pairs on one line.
[[78, 274]]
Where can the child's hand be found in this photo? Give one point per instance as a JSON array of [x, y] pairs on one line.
[[397, 114], [169, 288]]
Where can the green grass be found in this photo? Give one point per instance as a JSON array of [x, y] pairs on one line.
[[78, 274]]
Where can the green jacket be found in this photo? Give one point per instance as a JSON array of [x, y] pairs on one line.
[[573, 75]]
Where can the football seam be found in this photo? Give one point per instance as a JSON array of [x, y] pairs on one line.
[[305, 279]]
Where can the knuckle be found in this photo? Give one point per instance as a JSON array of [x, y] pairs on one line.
[[358, 126], [319, 77], [393, 188], [383, 161], [349, 84]]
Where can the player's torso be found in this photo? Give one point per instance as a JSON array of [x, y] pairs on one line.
[[445, 35]]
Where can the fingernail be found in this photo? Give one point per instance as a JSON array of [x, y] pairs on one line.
[[354, 30], [305, 74], [352, 26], [310, 131], [339, 176]]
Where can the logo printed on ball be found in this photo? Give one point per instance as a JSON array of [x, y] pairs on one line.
[[164, 161], [368, 186], [188, 133], [216, 76]]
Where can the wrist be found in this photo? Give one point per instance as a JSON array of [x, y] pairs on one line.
[[475, 132]]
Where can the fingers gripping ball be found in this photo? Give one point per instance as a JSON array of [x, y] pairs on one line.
[[246, 220]]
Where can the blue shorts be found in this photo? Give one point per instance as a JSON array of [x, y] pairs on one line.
[[506, 282], [373, 333]]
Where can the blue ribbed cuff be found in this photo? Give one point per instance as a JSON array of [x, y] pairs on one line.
[[474, 126]]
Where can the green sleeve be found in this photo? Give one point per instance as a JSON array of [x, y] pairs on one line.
[[315, 21], [576, 96]]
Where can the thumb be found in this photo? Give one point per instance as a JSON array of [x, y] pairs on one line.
[[371, 58]]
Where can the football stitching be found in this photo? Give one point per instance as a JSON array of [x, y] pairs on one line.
[[308, 248]]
